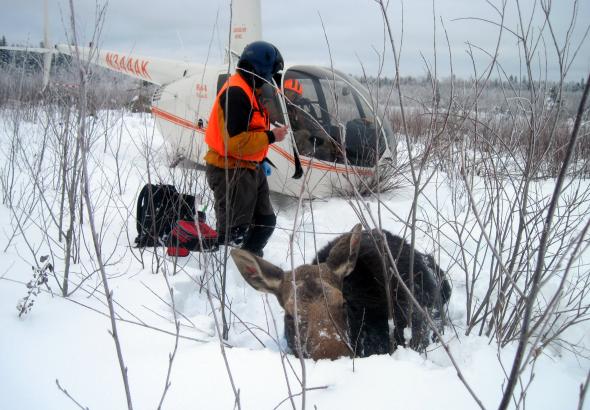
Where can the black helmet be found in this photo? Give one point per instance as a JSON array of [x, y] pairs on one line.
[[261, 58]]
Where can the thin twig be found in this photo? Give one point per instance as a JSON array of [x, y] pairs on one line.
[[64, 391]]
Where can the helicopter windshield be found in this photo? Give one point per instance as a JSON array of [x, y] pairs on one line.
[[330, 119]]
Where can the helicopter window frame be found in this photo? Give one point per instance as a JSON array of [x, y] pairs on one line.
[[373, 122], [370, 128], [317, 106], [312, 130]]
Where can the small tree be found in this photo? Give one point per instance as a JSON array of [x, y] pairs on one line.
[[3, 53]]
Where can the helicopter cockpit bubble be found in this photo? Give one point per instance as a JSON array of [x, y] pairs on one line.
[[331, 118]]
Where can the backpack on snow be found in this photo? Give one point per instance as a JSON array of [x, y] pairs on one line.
[[159, 207]]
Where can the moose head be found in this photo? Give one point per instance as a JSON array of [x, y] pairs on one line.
[[311, 294], [339, 305]]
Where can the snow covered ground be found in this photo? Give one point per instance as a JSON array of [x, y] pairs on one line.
[[68, 340]]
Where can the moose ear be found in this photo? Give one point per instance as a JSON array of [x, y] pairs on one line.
[[260, 274], [344, 253]]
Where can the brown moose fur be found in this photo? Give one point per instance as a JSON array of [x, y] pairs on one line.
[[341, 301]]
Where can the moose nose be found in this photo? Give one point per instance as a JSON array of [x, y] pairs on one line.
[[327, 340], [330, 346]]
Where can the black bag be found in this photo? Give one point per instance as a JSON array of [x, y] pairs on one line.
[[158, 209]]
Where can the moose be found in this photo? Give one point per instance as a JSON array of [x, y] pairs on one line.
[[340, 300]]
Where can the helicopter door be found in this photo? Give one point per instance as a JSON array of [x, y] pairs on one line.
[[314, 133], [363, 142], [331, 120]]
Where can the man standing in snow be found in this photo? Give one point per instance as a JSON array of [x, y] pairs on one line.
[[238, 136]]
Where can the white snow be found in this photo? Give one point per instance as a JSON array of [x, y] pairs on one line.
[[68, 339]]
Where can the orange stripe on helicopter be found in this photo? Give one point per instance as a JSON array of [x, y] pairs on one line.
[[166, 116], [176, 120], [323, 167]]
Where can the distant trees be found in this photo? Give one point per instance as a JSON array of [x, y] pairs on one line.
[[3, 53], [31, 63], [21, 77], [494, 83]]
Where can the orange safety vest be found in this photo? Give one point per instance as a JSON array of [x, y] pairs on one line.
[[259, 120]]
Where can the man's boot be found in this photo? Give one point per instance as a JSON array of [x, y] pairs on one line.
[[259, 234], [237, 236]]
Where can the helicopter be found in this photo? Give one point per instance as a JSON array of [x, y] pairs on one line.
[[343, 145]]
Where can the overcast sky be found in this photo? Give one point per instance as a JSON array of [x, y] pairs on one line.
[[354, 31]]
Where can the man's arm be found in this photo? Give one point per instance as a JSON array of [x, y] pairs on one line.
[[242, 141]]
